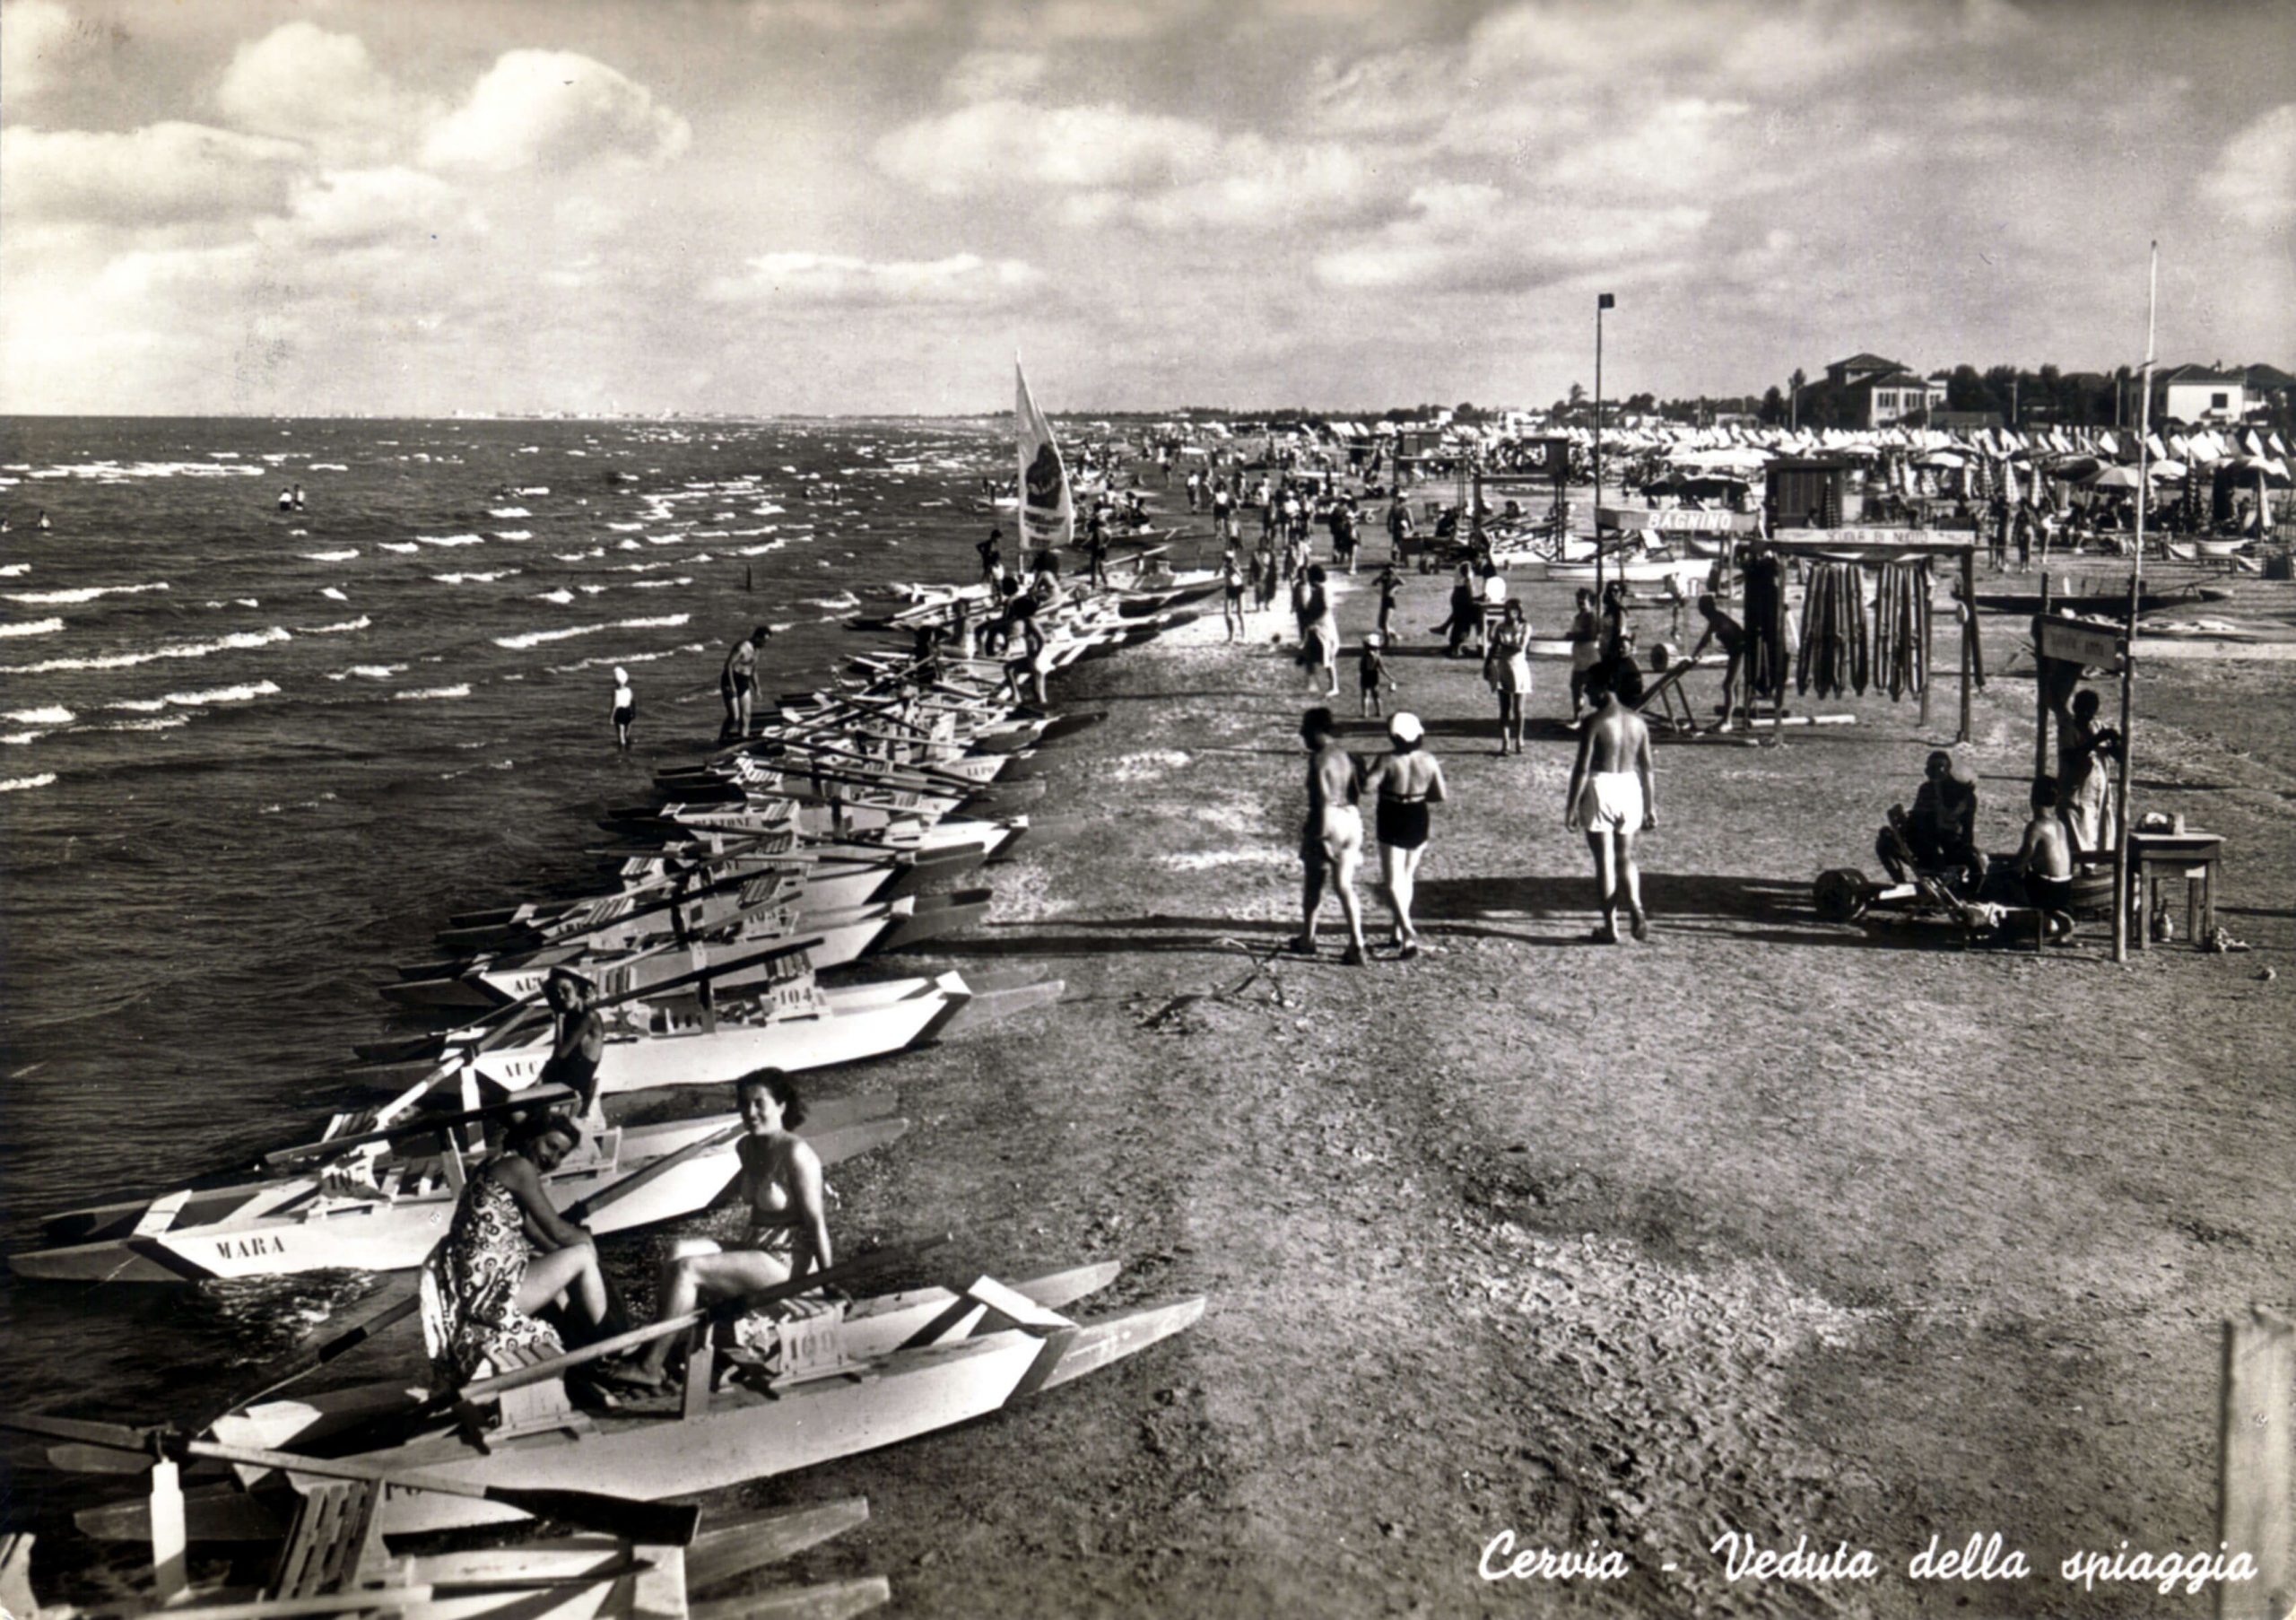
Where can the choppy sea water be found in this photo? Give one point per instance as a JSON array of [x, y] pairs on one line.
[[250, 760]]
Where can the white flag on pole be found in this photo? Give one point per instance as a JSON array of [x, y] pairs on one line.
[[1047, 514]]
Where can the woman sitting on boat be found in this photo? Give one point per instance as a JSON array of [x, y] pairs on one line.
[[781, 1180], [488, 1277]]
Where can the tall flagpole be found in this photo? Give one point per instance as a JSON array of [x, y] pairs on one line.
[[2128, 658]]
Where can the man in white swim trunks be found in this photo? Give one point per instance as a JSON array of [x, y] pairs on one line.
[[1331, 844], [1611, 798]]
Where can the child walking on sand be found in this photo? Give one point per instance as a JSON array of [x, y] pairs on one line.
[[1371, 676]]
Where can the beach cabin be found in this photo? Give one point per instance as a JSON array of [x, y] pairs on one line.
[[1796, 488]]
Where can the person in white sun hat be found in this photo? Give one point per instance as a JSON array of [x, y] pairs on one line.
[[1403, 784], [625, 705]]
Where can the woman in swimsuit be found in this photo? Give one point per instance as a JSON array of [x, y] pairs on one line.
[[488, 1274], [781, 1180], [1405, 782], [577, 1039], [1506, 669]]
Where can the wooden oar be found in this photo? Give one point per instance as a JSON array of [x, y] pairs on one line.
[[582, 1210], [543, 1095]]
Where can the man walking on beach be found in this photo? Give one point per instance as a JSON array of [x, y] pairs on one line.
[[1611, 798], [737, 682], [1331, 844]]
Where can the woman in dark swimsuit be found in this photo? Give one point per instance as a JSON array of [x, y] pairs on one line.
[[578, 1042], [1405, 783], [781, 1180]]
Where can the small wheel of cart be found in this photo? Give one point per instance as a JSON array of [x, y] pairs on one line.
[[1842, 895]]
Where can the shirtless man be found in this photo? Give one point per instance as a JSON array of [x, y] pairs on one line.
[[1331, 845], [1612, 798], [737, 682]]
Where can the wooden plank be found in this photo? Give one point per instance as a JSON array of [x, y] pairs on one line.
[[833, 1600], [731, 1551], [2257, 1488]]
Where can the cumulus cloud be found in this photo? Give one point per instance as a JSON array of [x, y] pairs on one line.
[[841, 17], [1113, 164], [43, 45], [1470, 236], [832, 278], [160, 174], [303, 81], [988, 76], [360, 206], [1035, 22], [554, 109], [2254, 179], [1004, 143]]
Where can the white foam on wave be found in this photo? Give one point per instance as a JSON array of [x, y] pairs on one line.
[[341, 556], [507, 511], [767, 509], [429, 692], [50, 714], [625, 528], [333, 595], [17, 784], [593, 590], [32, 627], [369, 672], [198, 699], [760, 551], [238, 642], [88, 593], [245, 602], [562, 596], [18, 739], [535, 638], [845, 599], [400, 546], [610, 660], [361, 623], [488, 579], [627, 546], [659, 584], [595, 550], [12, 570], [328, 467], [644, 568], [514, 534], [166, 722], [450, 539]]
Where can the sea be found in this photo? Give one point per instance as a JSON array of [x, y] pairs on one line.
[[250, 760]]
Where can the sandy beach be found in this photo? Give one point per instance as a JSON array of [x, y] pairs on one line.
[[1770, 1225]]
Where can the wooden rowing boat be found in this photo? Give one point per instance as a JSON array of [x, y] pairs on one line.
[[794, 1026], [833, 939], [882, 1371], [386, 1212]]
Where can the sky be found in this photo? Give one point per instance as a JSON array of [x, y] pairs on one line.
[[414, 207]]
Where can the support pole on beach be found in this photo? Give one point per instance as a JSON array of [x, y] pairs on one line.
[[1603, 300], [2121, 897], [1969, 635]]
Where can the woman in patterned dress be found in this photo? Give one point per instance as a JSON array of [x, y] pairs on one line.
[[490, 1277]]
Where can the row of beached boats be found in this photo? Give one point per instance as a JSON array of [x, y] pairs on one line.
[[847, 825]]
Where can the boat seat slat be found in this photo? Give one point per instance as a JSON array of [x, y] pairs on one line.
[[331, 1542]]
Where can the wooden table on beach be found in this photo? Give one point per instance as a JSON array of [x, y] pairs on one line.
[[2153, 856]]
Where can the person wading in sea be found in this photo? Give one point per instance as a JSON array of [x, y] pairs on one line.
[[737, 682], [625, 705], [1612, 798]]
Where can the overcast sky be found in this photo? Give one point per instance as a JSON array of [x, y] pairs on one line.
[[850, 205]]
